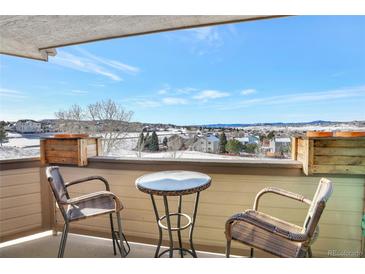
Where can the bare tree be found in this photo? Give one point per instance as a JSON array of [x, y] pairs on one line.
[[110, 121], [71, 120], [106, 119]]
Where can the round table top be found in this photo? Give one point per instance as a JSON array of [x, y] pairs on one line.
[[173, 183]]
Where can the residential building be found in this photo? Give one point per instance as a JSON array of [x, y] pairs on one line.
[[208, 144], [250, 139], [280, 145], [28, 126]]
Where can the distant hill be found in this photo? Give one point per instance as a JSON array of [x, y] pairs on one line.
[[298, 124]]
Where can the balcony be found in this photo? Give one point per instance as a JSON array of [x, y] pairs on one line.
[[27, 206]]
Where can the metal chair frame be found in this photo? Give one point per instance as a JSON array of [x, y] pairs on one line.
[[122, 244]]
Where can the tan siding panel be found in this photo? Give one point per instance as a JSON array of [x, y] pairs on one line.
[[17, 190], [19, 212], [229, 194], [7, 226], [20, 201]]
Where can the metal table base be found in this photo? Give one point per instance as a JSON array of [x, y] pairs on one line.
[[178, 229]]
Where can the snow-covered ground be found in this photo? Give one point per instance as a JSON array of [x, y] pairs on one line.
[[27, 145], [186, 154], [24, 146], [25, 140], [21, 145], [8, 152]]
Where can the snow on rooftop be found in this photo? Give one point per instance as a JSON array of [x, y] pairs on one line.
[[283, 140]]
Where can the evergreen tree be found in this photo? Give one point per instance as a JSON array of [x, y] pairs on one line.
[[3, 134], [250, 148], [140, 144], [262, 137], [153, 145], [271, 135], [164, 141], [234, 146], [222, 143], [147, 141]]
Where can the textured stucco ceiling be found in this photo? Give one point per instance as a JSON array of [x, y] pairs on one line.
[[37, 37]]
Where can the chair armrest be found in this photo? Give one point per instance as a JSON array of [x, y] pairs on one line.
[[281, 192], [87, 179], [297, 237], [84, 198]]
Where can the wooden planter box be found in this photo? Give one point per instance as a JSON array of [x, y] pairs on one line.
[[332, 155], [69, 151]]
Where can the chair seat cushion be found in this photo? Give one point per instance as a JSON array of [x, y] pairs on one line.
[[90, 205], [249, 230]]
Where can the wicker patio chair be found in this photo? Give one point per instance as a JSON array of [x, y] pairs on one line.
[[278, 237], [86, 206]]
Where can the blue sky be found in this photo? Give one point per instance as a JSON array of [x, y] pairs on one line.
[[289, 69]]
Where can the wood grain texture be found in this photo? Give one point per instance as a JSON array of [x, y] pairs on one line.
[[331, 155]]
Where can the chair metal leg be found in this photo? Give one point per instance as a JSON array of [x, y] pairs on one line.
[[171, 245], [112, 229], [178, 225], [309, 253], [251, 252], [228, 248], [123, 252], [61, 249]]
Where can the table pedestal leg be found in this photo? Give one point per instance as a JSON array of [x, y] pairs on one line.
[[192, 225], [159, 228], [178, 225], [171, 249], [168, 226]]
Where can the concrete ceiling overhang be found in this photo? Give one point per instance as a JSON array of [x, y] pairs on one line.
[[38, 36]]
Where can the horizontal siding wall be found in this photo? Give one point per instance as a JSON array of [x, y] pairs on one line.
[[20, 201], [230, 193]]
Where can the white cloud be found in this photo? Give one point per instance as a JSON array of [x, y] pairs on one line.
[[162, 91], [232, 29], [176, 91], [79, 92], [83, 64], [186, 90], [207, 34], [210, 94], [97, 85], [148, 103], [90, 63], [248, 91], [303, 97], [200, 41], [109, 62], [11, 93], [174, 101]]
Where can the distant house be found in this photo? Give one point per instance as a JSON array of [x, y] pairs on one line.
[[208, 144], [279, 145], [28, 126], [249, 140], [10, 127], [179, 142]]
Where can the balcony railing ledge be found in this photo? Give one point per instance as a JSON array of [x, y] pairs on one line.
[[19, 163], [282, 167], [282, 163], [285, 167], [250, 167]]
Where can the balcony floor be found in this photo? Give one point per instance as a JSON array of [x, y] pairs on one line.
[[45, 245]]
